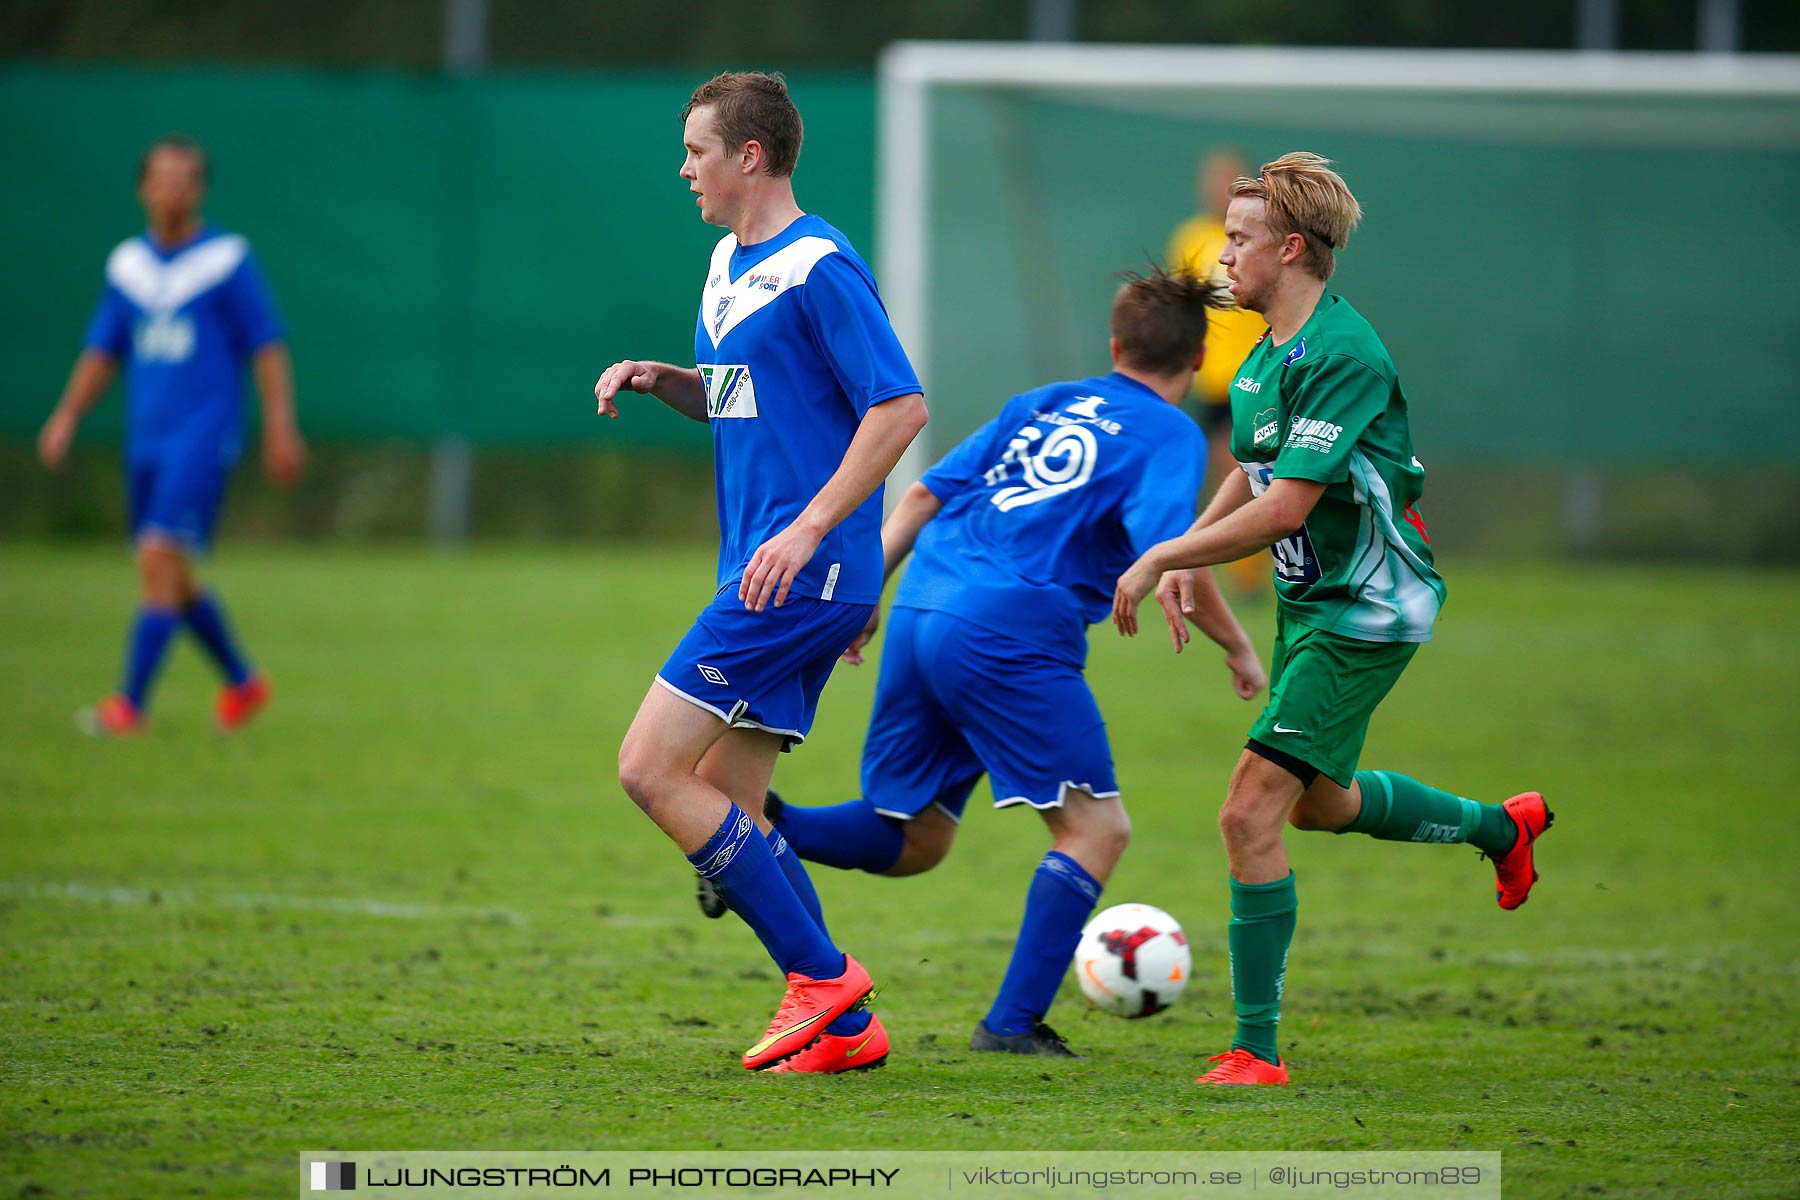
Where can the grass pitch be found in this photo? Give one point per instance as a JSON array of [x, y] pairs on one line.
[[410, 908]]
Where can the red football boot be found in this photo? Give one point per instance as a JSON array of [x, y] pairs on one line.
[[1514, 872], [832, 1055], [115, 716], [1241, 1066], [237, 703], [807, 1008]]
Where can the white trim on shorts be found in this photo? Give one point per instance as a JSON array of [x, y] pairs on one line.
[[906, 816], [185, 540], [794, 736], [734, 719], [1062, 795]]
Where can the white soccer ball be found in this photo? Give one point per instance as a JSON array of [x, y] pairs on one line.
[[1133, 960]]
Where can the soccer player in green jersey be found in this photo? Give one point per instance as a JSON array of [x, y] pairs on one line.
[[1330, 485]]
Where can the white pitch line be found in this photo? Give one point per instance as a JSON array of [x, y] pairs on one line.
[[352, 905]]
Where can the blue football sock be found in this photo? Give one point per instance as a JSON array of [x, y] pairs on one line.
[[206, 617], [743, 868], [850, 1024], [1062, 895], [144, 651], [851, 836]]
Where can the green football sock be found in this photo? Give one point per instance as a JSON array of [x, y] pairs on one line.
[[1398, 809], [1262, 927]]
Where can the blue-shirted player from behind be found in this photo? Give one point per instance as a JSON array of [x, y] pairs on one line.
[[1016, 538], [185, 309], [811, 401]]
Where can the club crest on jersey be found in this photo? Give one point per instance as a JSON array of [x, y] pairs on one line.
[[729, 391], [1296, 354], [1267, 434], [719, 314]]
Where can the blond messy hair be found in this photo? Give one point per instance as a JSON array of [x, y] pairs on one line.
[[1305, 196]]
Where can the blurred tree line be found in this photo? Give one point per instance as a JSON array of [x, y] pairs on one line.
[[637, 34]]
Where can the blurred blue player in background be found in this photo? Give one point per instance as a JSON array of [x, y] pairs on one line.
[[185, 309], [1017, 536]]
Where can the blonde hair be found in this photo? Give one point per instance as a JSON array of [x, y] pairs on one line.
[[1305, 196]]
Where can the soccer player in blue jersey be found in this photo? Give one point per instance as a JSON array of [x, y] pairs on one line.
[[1016, 538], [185, 310], [811, 401]]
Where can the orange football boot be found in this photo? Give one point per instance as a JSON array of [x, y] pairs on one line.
[[1241, 1066], [807, 1008], [1514, 872], [831, 1054], [237, 703], [115, 716]]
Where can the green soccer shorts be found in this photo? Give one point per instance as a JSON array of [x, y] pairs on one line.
[[1323, 689]]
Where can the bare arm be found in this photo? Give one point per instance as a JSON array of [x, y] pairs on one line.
[[886, 431], [284, 451], [92, 375], [1249, 528], [1193, 595], [918, 505], [1233, 494], [678, 387]]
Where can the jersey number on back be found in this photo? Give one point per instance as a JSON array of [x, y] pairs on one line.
[[1052, 465]]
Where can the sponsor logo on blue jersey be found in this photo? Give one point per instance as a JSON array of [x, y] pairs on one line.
[[1086, 406], [729, 390], [164, 337]]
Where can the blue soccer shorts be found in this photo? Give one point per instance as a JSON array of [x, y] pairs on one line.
[[177, 498], [955, 700], [763, 670]]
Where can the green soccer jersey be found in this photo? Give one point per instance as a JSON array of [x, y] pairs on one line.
[[1326, 405]]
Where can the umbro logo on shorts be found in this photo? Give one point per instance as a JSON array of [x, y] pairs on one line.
[[714, 675]]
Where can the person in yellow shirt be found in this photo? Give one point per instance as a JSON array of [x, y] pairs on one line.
[[1195, 247]]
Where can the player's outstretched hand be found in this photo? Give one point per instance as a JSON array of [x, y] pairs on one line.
[[1176, 596], [854, 655], [629, 375], [284, 456], [53, 441], [1132, 587], [1248, 678], [774, 567]]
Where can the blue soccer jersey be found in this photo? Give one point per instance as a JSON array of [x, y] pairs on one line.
[[185, 321], [1049, 503], [794, 347]]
